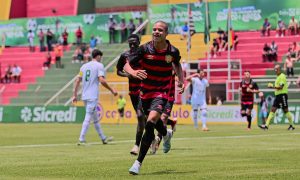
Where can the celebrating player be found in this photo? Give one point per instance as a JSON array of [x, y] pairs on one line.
[[156, 58], [134, 90]]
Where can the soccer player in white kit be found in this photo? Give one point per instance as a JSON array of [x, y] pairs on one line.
[[91, 74], [198, 101]]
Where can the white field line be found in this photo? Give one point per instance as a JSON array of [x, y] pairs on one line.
[[131, 141]]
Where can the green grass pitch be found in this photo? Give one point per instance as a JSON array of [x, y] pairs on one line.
[[49, 151]]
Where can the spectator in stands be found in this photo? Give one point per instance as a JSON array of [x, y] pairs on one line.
[[273, 51], [266, 55], [220, 32], [219, 101], [93, 42], [131, 26], [289, 66], [65, 36], [224, 42], [30, 37], [235, 42], [16, 73], [49, 39], [293, 26], [143, 30], [8, 74], [294, 50], [112, 30], [87, 54], [78, 55], [184, 31], [41, 36], [79, 35], [280, 29], [58, 51], [214, 50], [123, 29], [47, 63], [266, 28]]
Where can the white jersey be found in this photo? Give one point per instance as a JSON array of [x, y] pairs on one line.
[[199, 91], [90, 73]]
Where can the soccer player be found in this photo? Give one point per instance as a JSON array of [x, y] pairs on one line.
[[157, 58], [198, 100], [91, 74], [281, 98], [247, 89], [134, 90]]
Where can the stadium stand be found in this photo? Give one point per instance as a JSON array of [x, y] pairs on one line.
[[45, 87], [31, 69], [37, 8]]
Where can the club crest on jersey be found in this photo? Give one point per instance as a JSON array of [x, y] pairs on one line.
[[169, 58]]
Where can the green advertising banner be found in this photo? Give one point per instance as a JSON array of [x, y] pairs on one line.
[[280, 118], [246, 14], [41, 114], [15, 31]]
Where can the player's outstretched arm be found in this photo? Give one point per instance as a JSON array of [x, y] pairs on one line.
[[77, 83], [189, 78], [104, 83]]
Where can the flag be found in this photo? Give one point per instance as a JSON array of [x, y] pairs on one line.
[[207, 24], [229, 29], [192, 30]]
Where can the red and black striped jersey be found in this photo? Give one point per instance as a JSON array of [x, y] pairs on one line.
[[134, 84], [158, 66], [246, 96], [171, 93]]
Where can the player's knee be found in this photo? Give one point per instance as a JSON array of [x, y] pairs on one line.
[[204, 113], [243, 113]]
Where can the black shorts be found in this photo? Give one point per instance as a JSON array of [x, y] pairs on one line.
[[153, 104], [136, 101], [244, 107], [57, 58], [121, 112], [168, 108], [281, 101]]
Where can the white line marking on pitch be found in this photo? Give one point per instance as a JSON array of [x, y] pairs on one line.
[[130, 141]]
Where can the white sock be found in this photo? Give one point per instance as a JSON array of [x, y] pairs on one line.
[[203, 118], [195, 118], [98, 126], [85, 126]]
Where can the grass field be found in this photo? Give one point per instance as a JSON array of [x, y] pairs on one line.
[[49, 151]]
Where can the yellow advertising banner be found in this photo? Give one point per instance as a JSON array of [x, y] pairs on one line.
[[183, 113]]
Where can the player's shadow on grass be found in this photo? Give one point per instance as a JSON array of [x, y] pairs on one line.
[[169, 172], [182, 149]]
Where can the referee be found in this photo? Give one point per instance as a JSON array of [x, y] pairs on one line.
[[281, 98]]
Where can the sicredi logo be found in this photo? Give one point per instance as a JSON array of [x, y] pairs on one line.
[[41, 114]]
